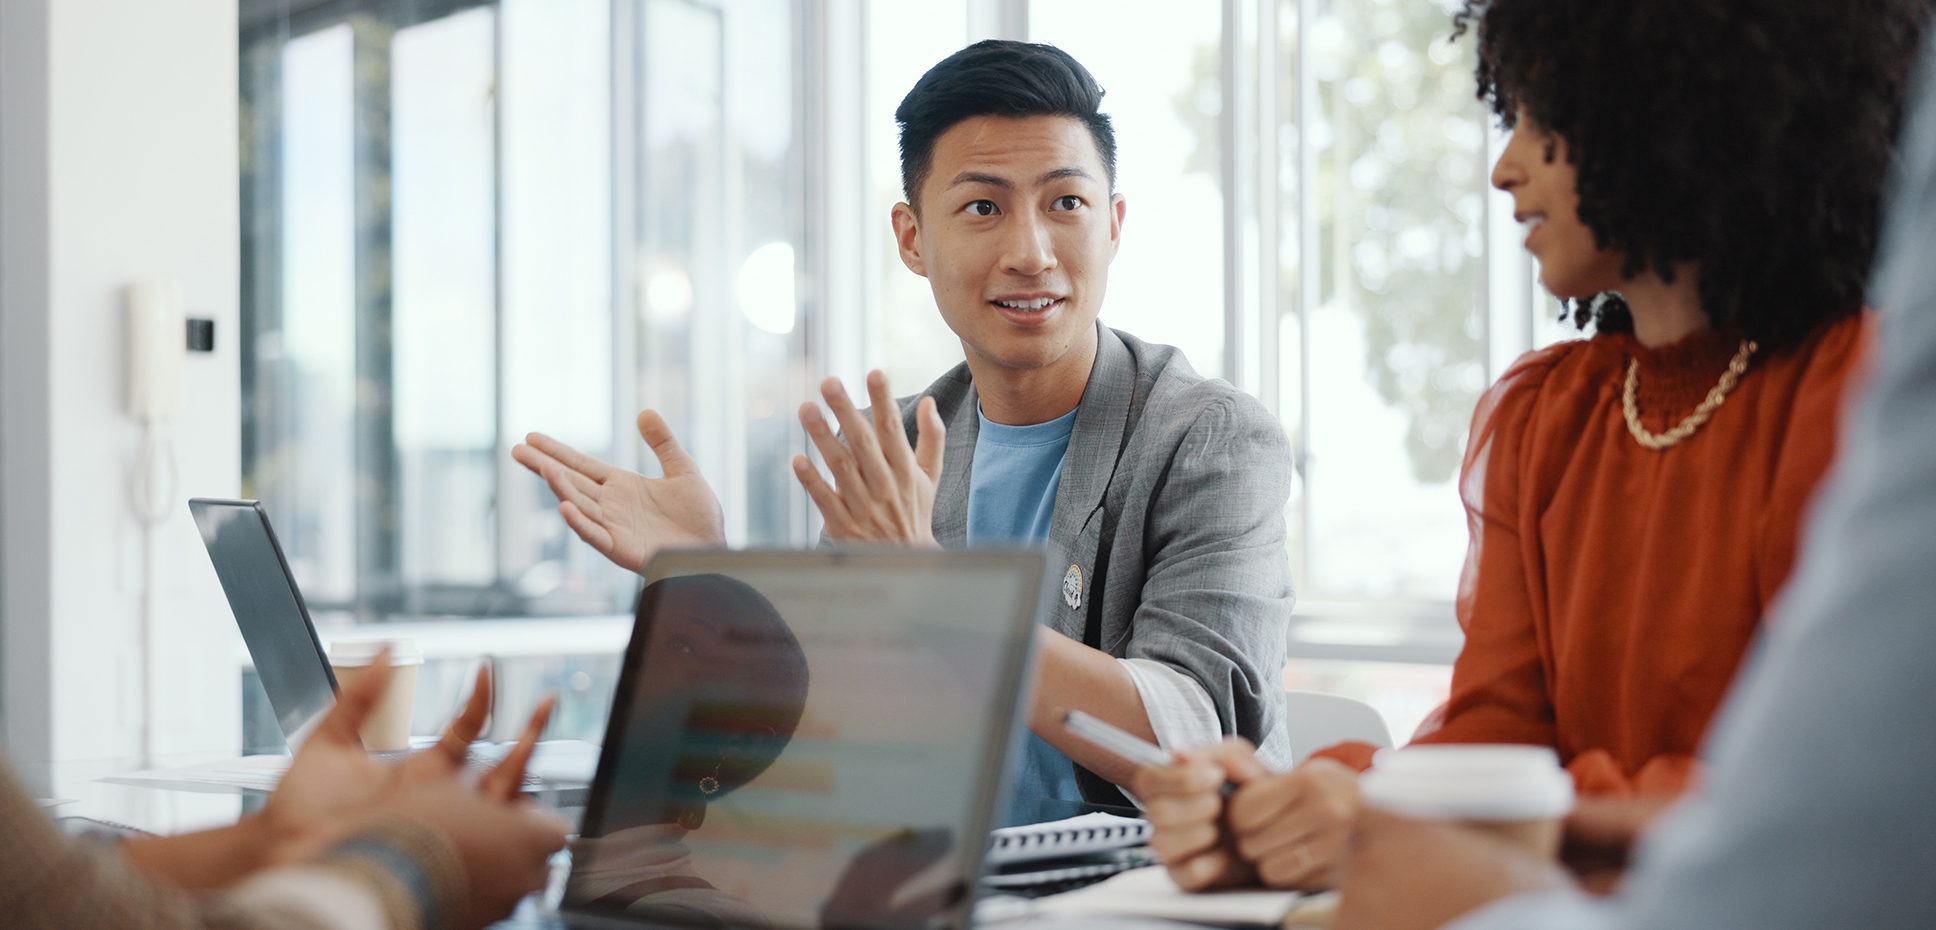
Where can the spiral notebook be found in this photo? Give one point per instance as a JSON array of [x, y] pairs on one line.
[[1076, 836]]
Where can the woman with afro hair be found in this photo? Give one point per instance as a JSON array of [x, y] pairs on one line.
[[1701, 182]]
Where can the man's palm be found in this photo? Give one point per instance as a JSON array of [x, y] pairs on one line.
[[623, 514]]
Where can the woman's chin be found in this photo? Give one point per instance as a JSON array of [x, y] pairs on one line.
[[1568, 290]]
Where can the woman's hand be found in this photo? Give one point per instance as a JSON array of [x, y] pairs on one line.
[[450, 757], [883, 489], [333, 784], [626, 516], [1600, 836], [330, 787], [1184, 802], [1294, 826], [505, 846], [1404, 874]]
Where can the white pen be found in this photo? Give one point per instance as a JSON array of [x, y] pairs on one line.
[[1124, 745], [1115, 740]]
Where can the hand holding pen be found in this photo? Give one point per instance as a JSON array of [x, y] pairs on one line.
[[1224, 819], [1124, 744]]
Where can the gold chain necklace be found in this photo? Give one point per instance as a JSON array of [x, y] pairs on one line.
[[1737, 367]]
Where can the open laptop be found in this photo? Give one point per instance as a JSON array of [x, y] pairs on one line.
[[268, 606], [811, 739]]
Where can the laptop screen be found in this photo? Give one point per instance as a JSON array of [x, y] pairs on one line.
[[288, 658], [808, 739]]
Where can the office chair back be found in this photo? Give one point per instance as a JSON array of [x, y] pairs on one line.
[[1316, 719]]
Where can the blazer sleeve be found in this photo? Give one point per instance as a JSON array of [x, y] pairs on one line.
[[1216, 597]]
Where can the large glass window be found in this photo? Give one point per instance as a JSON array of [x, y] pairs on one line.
[[1157, 62], [1393, 307], [711, 245], [466, 221], [904, 40]]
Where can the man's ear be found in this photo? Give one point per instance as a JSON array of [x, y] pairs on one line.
[[1118, 208], [907, 236]]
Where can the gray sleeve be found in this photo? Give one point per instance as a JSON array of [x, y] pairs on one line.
[[1819, 809], [1216, 596]]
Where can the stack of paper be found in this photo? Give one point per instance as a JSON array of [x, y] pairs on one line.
[[1149, 892]]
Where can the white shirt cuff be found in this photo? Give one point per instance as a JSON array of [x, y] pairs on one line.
[[1179, 710]]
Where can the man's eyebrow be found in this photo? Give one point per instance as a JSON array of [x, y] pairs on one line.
[[976, 177]]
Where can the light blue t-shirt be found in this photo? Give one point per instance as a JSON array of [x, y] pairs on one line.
[[1011, 485], [1011, 498]]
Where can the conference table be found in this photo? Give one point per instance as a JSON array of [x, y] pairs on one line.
[[166, 799]]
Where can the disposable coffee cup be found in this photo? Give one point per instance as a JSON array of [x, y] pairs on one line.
[[1518, 792], [387, 729]]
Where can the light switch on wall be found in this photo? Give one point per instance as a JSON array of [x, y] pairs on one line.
[[201, 335]]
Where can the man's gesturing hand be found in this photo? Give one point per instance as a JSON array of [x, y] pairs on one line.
[[883, 489], [623, 514]]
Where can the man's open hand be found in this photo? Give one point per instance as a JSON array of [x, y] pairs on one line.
[[883, 488], [623, 514]]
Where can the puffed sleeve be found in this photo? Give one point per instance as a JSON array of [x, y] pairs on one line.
[[1499, 692]]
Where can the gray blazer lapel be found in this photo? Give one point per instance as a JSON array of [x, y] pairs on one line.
[[1093, 443], [1075, 530], [1095, 439], [957, 457]]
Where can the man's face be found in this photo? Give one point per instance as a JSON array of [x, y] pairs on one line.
[[1015, 234]]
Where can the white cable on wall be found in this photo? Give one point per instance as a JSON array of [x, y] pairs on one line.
[[157, 341]]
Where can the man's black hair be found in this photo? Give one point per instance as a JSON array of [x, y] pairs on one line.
[[998, 77], [1751, 137]]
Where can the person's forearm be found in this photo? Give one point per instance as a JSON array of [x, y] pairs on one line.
[[1071, 676], [206, 859]]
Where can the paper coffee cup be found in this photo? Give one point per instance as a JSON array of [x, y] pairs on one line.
[[388, 726], [1519, 792]]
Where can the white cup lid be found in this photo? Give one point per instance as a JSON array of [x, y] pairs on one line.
[[350, 653], [1469, 782]]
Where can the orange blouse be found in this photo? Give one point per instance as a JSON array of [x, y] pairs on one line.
[[1611, 591]]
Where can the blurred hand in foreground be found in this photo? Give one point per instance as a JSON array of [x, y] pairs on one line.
[[1600, 837], [333, 784], [333, 788], [1404, 874]]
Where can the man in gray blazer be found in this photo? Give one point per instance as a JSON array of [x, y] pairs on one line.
[[1158, 494]]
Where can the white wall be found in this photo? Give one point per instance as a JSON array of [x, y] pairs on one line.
[[118, 161]]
